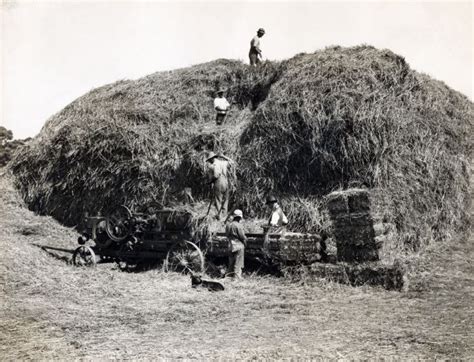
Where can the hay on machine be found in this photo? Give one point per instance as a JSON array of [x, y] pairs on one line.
[[301, 128], [180, 242]]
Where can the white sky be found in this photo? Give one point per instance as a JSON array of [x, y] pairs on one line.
[[53, 52]]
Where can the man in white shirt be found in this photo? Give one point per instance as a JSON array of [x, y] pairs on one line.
[[276, 222], [221, 106], [255, 53], [277, 218]]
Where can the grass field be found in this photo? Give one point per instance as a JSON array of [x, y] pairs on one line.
[[50, 309]]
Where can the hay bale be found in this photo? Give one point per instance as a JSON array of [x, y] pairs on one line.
[[350, 201], [390, 277], [352, 220], [287, 248], [300, 129], [357, 236], [352, 225], [298, 248], [357, 253]]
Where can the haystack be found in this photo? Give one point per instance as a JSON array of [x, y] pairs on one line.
[[337, 118]]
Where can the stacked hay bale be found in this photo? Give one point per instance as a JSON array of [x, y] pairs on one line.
[[289, 247], [352, 225], [286, 248], [391, 277]]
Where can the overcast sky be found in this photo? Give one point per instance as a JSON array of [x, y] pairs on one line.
[[53, 52]]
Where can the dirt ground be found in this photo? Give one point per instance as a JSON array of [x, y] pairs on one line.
[[50, 309]]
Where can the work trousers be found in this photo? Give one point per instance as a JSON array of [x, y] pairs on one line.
[[254, 59], [236, 259], [266, 236], [221, 195], [220, 117]]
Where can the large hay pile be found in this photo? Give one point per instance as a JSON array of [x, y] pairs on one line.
[[300, 128]]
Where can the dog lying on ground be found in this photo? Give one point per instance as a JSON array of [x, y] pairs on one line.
[[198, 282]]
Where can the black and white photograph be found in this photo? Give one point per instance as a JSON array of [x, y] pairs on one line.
[[236, 180]]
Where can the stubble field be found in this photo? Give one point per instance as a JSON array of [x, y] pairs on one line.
[[50, 309]]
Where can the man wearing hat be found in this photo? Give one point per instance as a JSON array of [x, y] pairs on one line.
[[277, 218], [276, 222], [238, 241], [255, 53], [221, 106], [218, 165]]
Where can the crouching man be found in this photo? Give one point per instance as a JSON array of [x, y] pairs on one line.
[[238, 241]]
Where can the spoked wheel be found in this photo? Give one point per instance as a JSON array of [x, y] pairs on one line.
[[184, 257], [117, 224], [84, 256]]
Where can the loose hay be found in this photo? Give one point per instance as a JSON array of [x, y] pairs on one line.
[[301, 128], [51, 310]]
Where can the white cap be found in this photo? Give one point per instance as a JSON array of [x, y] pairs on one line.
[[238, 213]]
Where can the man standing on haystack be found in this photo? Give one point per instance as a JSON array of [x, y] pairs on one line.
[[255, 53], [218, 166], [221, 106], [238, 241]]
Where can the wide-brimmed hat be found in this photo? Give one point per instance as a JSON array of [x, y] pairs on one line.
[[238, 213], [220, 91], [271, 199], [211, 156], [261, 30]]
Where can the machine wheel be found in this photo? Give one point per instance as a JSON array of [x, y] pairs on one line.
[[117, 224], [184, 257], [84, 256]]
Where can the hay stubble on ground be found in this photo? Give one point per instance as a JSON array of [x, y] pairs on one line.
[[53, 310]]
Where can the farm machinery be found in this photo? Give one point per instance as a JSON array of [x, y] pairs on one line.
[[173, 237], [130, 238]]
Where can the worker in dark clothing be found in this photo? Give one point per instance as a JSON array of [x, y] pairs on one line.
[[218, 169], [255, 53], [238, 241]]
